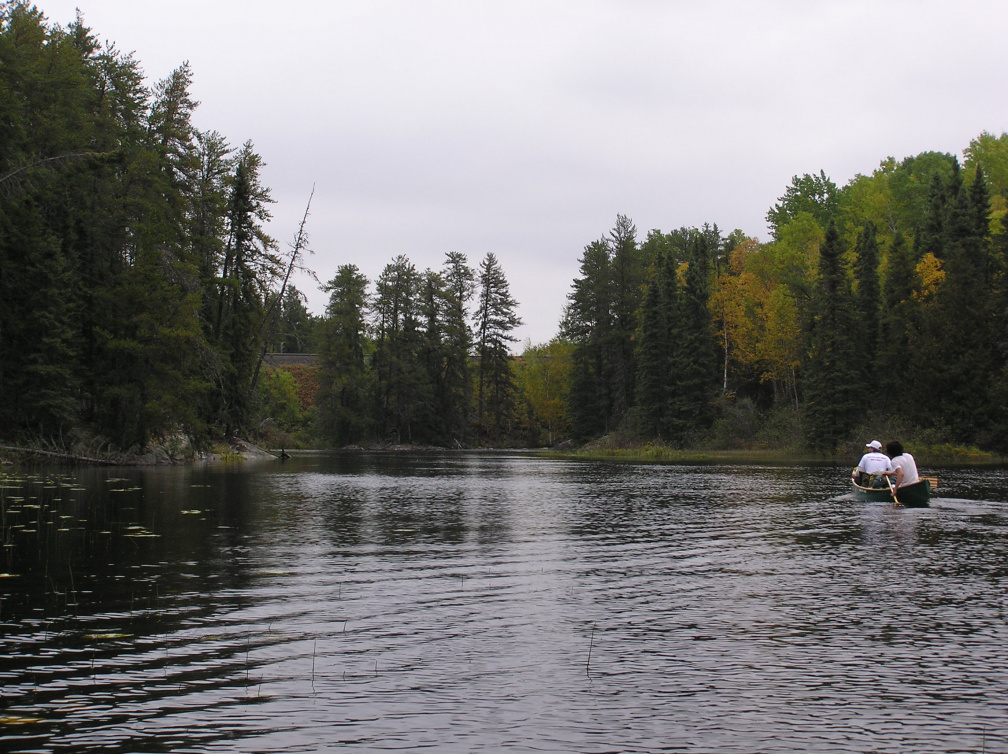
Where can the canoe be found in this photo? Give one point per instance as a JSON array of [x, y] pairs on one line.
[[916, 495]]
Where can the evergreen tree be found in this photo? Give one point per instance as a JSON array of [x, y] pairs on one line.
[[866, 307], [496, 318], [459, 287], [249, 264], [431, 416], [900, 323], [692, 368], [343, 379], [207, 219], [653, 350], [831, 385], [293, 331], [627, 270], [587, 323], [964, 324], [403, 389]]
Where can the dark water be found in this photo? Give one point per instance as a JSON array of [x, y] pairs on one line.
[[471, 602]]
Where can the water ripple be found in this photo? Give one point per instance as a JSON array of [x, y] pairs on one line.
[[476, 602]]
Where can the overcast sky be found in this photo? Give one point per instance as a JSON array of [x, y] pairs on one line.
[[523, 127]]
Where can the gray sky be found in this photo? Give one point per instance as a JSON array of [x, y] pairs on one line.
[[523, 128]]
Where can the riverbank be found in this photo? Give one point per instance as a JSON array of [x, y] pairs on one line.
[[174, 453], [928, 455], [177, 452]]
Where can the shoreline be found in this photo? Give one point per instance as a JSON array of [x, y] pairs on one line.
[[240, 451], [155, 455]]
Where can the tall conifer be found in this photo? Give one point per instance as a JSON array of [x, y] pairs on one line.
[[831, 386], [866, 306]]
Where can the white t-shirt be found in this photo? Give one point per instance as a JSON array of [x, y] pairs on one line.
[[875, 463], [909, 466]]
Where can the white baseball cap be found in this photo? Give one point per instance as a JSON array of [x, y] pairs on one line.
[[874, 445]]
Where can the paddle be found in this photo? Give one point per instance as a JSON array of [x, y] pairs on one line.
[[892, 490]]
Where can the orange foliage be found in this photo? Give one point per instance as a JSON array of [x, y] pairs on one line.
[[306, 377]]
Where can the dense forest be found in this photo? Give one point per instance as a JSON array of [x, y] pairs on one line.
[[140, 296]]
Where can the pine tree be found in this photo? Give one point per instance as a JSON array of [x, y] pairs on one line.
[[496, 319], [431, 415], [459, 287]]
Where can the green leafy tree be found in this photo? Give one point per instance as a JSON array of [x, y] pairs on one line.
[[815, 195], [544, 381]]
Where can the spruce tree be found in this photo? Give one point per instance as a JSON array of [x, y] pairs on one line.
[[898, 358], [653, 353], [963, 323], [343, 379], [832, 403], [866, 306], [693, 367], [403, 390], [588, 323], [627, 270]]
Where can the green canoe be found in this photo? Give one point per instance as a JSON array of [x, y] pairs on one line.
[[916, 495]]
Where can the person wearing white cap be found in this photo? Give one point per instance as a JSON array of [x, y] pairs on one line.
[[873, 464]]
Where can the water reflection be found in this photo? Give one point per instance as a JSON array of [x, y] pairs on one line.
[[475, 601]]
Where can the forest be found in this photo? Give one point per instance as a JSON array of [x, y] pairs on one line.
[[141, 298]]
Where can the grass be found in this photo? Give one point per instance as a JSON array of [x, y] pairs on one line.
[[926, 454]]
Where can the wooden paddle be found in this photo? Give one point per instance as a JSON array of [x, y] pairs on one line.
[[892, 490]]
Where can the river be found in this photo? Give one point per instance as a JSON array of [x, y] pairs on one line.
[[494, 601]]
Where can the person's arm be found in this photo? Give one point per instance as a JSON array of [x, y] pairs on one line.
[[899, 477]]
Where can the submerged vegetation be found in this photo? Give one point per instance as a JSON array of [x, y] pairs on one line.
[[140, 295]]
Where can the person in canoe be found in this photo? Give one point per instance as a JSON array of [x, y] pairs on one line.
[[873, 466], [903, 463]]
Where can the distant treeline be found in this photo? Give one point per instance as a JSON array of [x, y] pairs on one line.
[[878, 306], [139, 291]]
